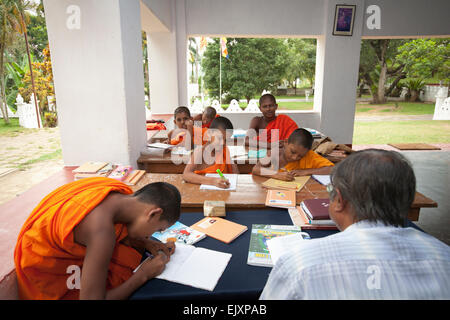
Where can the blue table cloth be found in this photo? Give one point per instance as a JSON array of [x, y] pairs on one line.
[[239, 280]]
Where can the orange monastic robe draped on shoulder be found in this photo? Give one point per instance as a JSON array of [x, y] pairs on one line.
[[284, 124], [311, 160], [46, 248], [223, 162], [199, 134]]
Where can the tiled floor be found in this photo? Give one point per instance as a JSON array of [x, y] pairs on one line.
[[432, 169]]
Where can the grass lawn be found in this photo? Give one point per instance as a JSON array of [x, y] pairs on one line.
[[399, 108], [383, 132], [12, 129]]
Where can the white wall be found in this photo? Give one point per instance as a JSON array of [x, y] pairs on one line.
[[410, 18], [99, 83], [337, 75], [255, 17]]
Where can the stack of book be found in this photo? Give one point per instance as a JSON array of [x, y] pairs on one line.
[[93, 169], [313, 214]]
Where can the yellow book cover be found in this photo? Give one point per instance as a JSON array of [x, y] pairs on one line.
[[296, 184]]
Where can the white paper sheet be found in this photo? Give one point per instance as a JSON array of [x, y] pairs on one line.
[[195, 267], [160, 145], [280, 245], [232, 178], [322, 178]]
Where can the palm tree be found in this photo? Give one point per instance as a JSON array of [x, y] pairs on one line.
[[13, 19]]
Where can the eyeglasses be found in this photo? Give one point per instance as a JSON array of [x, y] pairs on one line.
[[330, 188]]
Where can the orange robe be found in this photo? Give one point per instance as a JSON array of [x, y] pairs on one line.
[[207, 125], [199, 134], [46, 247], [311, 160], [223, 162], [283, 123]]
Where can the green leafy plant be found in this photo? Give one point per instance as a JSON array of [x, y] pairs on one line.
[[51, 119], [414, 86]]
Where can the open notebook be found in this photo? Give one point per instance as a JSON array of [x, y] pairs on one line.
[[195, 267]]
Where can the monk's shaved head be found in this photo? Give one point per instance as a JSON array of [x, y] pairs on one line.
[[163, 195], [221, 123], [268, 96], [210, 112], [301, 137]]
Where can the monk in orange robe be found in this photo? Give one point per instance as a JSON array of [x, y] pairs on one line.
[[208, 115], [84, 240], [221, 129], [185, 128], [295, 158], [270, 121]]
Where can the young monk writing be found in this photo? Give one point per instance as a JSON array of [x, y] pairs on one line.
[[185, 128], [221, 129], [100, 228], [271, 121], [208, 115], [295, 159]]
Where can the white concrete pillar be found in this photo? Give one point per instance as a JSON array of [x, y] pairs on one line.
[[96, 52], [163, 72], [167, 54], [337, 75], [181, 36]]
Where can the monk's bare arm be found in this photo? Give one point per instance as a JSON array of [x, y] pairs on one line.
[[269, 172], [254, 125], [98, 235], [190, 176]]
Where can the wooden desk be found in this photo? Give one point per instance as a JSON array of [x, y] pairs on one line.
[[164, 164], [249, 193]]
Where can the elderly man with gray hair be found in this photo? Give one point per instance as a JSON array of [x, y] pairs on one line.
[[374, 256]]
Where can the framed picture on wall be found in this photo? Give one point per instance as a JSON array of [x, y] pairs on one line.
[[343, 20]]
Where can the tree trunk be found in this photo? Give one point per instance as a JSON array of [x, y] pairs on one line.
[[3, 103], [414, 96], [381, 82]]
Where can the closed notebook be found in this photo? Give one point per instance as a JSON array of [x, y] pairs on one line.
[[134, 177], [280, 198], [90, 167], [296, 184], [220, 229], [316, 209]]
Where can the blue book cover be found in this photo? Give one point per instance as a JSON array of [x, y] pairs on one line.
[[261, 153], [181, 232]]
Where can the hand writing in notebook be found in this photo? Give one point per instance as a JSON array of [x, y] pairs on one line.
[[284, 175], [223, 183], [154, 247], [152, 266]]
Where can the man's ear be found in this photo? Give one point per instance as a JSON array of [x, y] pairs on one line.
[[340, 203], [154, 213]]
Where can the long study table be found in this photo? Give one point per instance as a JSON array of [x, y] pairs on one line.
[[250, 194]]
